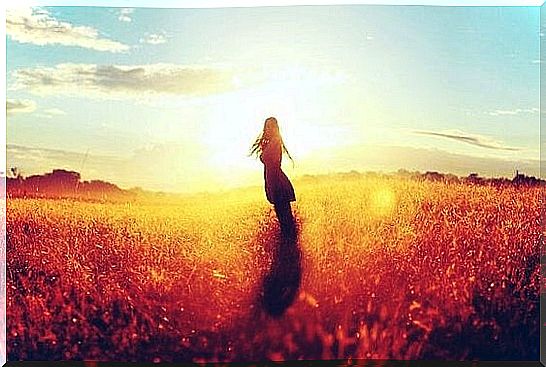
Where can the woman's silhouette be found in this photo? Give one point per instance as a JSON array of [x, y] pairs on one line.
[[282, 282], [269, 147]]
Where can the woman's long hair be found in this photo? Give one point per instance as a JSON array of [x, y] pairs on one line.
[[270, 130]]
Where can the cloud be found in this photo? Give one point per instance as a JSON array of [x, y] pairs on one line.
[[50, 113], [16, 106], [133, 81], [125, 14], [154, 39], [513, 112], [476, 140], [54, 111], [37, 26]]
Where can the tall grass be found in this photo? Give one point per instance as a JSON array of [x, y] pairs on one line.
[[394, 269]]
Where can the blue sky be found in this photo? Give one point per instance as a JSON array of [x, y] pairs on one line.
[[184, 91]]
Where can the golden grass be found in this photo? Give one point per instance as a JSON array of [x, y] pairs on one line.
[[391, 269]]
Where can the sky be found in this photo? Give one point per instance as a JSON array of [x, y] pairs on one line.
[[171, 99]]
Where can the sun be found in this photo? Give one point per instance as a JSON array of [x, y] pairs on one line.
[[237, 118], [231, 122]]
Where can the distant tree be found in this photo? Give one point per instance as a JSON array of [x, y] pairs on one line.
[[16, 173], [521, 179], [350, 174], [433, 176], [451, 178], [61, 183], [404, 173], [474, 178]]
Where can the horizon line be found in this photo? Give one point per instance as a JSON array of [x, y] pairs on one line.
[[297, 177]]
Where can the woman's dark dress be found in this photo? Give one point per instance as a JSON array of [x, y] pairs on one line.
[[278, 188]]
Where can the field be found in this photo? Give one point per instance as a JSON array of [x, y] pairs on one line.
[[390, 269]]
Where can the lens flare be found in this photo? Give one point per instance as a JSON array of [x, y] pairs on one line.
[[383, 201]]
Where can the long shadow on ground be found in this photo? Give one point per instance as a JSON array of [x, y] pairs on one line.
[[282, 282]]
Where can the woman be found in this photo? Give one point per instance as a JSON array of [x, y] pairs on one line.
[[269, 147]]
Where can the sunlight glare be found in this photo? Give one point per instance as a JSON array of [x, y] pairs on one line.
[[232, 126], [383, 201]]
